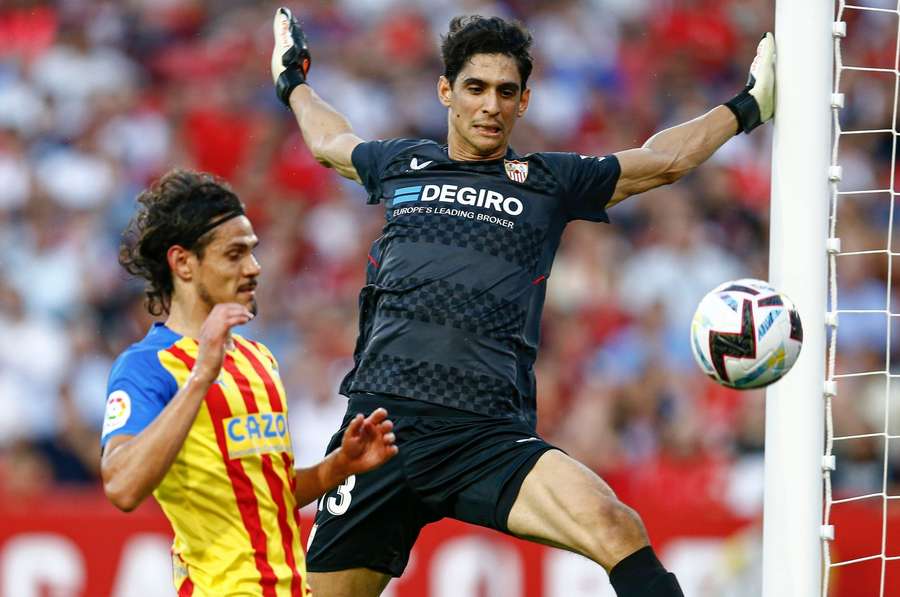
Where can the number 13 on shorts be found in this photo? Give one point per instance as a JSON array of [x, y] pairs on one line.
[[337, 504]]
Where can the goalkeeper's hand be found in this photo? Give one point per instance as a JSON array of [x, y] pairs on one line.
[[756, 103], [290, 58]]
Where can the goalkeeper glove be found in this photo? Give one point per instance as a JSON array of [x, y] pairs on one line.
[[756, 103], [290, 58]]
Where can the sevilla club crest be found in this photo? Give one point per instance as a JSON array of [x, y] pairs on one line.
[[517, 171]]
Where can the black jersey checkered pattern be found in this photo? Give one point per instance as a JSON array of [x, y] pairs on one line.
[[428, 273], [540, 178], [521, 245], [472, 310], [441, 384]]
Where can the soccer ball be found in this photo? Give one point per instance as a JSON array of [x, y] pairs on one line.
[[745, 334]]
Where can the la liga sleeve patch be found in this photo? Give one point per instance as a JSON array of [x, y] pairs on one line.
[[118, 411]]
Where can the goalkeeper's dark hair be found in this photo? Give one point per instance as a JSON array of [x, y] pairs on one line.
[[474, 34], [181, 208]]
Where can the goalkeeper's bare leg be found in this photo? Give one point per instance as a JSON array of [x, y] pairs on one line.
[[562, 503], [355, 582]]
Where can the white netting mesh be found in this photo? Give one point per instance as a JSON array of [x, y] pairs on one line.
[[863, 489]]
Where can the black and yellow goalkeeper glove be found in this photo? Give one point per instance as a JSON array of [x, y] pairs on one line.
[[756, 103], [290, 58]]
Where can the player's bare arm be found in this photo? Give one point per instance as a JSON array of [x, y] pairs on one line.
[[672, 153], [367, 443], [133, 465], [326, 131]]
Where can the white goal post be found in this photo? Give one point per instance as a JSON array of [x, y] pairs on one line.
[[795, 415]]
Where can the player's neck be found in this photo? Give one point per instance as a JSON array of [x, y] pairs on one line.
[[186, 317], [461, 151]]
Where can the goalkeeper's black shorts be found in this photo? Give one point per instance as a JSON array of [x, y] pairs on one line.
[[451, 463]]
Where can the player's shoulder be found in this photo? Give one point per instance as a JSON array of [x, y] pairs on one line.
[[142, 357], [391, 148], [569, 167], [566, 159], [408, 144], [401, 157], [257, 346], [412, 153], [139, 384], [383, 158], [549, 171]]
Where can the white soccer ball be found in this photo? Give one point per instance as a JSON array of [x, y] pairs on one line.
[[745, 334]]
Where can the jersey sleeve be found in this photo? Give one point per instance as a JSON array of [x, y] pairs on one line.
[[139, 388], [371, 159], [588, 183]]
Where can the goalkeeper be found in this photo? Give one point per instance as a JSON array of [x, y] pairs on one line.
[[450, 313]]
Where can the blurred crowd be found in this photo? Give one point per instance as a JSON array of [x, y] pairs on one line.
[[98, 98]]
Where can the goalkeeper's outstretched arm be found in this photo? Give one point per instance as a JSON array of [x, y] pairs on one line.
[[326, 131], [672, 153]]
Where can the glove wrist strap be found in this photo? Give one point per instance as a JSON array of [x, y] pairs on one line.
[[287, 81], [746, 110]]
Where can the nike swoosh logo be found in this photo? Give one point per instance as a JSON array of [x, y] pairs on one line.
[[527, 439], [415, 165]]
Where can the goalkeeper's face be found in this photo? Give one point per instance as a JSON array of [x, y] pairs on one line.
[[483, 105], [228, 270]]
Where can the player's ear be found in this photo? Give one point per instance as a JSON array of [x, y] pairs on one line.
[[445, 90], [181, 262], [523, 102]]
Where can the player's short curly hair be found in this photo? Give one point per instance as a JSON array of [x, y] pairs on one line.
[[474, 34], [181, 208]]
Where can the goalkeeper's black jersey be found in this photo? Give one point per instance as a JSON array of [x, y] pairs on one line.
[[450, 313]]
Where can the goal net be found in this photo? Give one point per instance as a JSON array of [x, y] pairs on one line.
[[861, 526]]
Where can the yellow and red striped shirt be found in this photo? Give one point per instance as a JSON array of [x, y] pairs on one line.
[[229, 495]]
